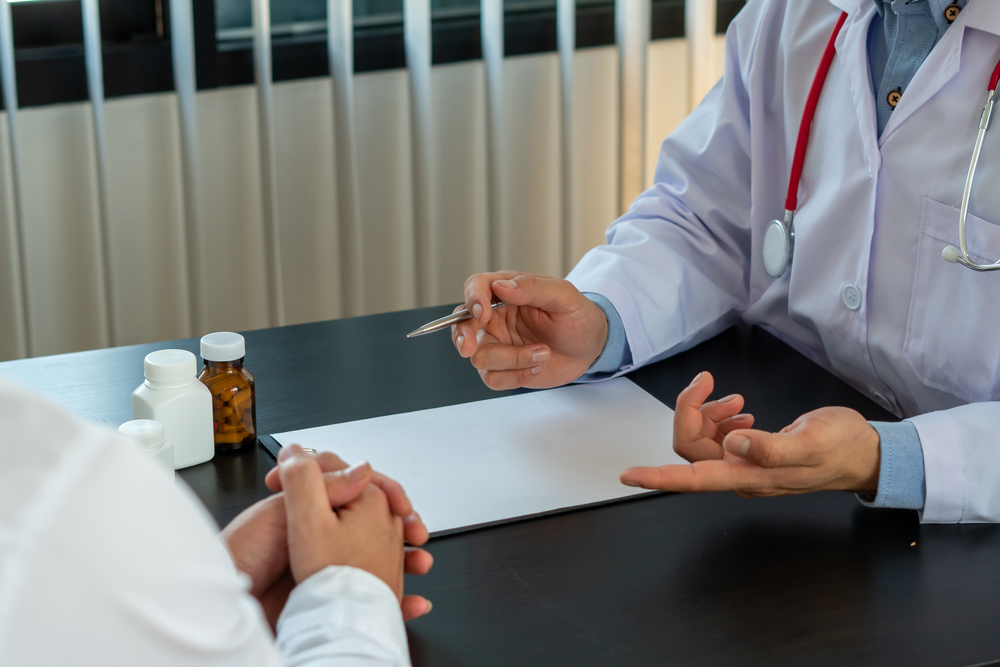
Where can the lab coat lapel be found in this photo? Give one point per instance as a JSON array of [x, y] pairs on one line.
[[940, 67], [852, 7], [852, 51], [983, 16]]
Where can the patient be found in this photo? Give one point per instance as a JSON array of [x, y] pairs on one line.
[[105, 560]]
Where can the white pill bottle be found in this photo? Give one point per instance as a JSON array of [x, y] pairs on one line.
[[173, 396], [149, 437]]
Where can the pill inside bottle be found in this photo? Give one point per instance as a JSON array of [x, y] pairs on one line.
[[234, 409]]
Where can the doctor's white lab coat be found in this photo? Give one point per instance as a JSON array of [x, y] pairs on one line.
[[868, 295]]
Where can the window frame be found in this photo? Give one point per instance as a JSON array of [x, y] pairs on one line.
[[56, 73]]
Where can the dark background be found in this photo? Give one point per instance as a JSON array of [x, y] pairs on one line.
[[48, 37]]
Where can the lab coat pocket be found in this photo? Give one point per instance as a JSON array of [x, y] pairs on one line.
[[953, 328]]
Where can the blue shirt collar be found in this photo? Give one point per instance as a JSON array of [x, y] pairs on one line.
[[937, 8]]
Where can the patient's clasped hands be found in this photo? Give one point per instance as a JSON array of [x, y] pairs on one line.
[[327, 514]]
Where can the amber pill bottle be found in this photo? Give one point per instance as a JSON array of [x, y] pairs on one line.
[[234, 409]]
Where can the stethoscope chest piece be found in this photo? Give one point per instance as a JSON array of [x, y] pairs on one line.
[[779, 238], [777, 248]]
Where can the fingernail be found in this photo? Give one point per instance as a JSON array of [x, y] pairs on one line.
[[727, 399], [535, 370], [430, 605], [413, 517], [742, 417], [629, 483], [357, 471], [287, 451], [697, 379], [459, 341], [737, 444], [540, 354], [509, 284], [477, 311]]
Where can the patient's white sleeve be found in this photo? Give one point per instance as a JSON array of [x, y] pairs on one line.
[[106, 560]]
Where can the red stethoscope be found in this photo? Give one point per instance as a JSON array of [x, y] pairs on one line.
[[779, 237]]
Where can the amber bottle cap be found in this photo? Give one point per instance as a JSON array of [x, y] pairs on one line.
[[223, 346]]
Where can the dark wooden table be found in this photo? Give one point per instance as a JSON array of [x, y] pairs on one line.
[[662, 580]]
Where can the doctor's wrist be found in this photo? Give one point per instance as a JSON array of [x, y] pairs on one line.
[[609, 357], [867, 462]]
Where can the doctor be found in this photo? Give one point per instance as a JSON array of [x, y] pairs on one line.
[[861, 288]]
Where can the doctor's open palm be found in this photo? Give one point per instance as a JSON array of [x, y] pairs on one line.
[[829, 449], [549, 334]]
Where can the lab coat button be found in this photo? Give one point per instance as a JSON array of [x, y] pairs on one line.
[[893, 97], [951, 12], [852, 297], [882, 400]]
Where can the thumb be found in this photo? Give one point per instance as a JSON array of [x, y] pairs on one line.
[[550, 294], [306, 502], [344, 486], [767, 450]]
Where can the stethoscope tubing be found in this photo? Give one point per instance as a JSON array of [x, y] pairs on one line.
[[965, 259], [950, 253], [802, 142]]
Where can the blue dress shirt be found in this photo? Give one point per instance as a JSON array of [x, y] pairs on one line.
[[901, 36]]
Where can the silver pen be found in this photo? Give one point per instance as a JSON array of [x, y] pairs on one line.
[[448, 320]]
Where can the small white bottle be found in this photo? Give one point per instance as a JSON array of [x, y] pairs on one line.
[[173, 396], [148, 435]]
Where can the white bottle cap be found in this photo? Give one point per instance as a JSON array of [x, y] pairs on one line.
[[223, 346], [170, 366], [147, 432]]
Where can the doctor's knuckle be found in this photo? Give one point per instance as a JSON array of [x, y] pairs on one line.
[[771, 455], [492, 379], [486, 357], [683, 449], [696, 485], [474, 286]]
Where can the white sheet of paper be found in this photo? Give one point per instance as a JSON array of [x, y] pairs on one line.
[[506, 458]]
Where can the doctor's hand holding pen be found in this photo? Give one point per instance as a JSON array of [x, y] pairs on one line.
[[830, 449], [547, 335]]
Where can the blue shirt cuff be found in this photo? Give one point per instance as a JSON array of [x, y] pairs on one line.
[[901, 470], [616, 353]]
